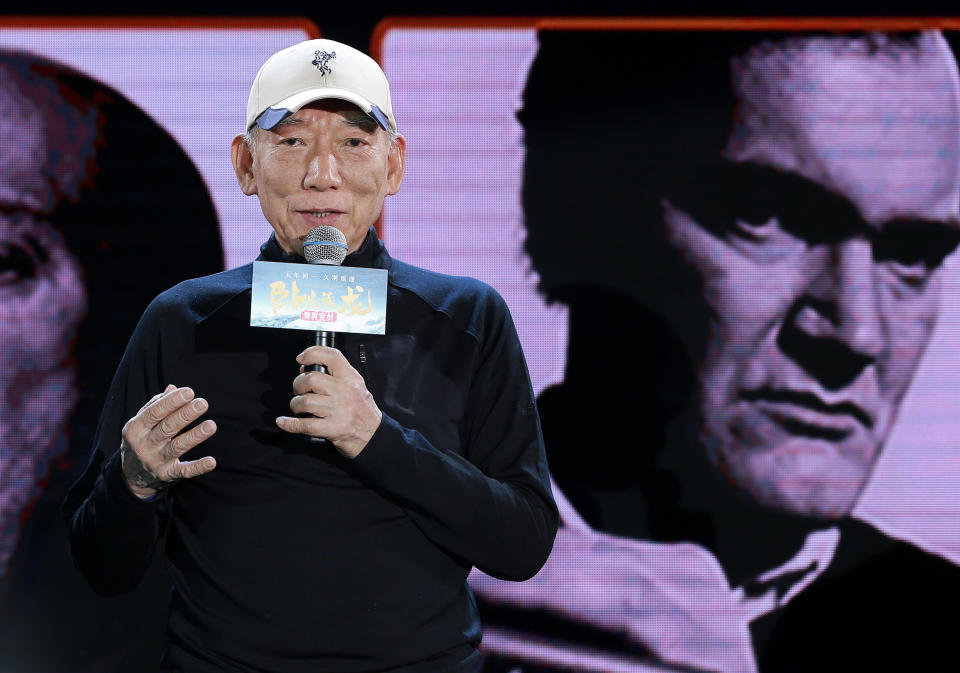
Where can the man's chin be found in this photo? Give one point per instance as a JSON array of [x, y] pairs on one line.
[[817, 481]]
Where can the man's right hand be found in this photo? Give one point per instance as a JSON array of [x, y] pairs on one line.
[[153, 443]]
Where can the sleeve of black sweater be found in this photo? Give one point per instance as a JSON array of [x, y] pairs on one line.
[[493, 507], [113, 533]]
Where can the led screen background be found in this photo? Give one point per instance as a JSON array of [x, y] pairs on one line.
[[456, 90], [456, 86]]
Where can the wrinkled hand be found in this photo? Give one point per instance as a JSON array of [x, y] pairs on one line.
[[153, 442], [343, 410], [671, 599]]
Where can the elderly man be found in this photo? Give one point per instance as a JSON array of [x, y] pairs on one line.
[[286, 555], [776, 210]]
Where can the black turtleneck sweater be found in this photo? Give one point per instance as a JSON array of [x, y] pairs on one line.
[[289, 558]]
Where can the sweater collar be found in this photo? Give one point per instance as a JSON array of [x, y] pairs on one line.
[[371, 254]]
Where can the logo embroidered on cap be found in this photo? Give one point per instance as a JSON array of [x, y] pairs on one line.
[[321, 60]]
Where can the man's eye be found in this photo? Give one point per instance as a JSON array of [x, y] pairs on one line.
[[912, 275], [21, 258], [755, 230], [290, 142], [911, 269], [16, 263], [914, 253], [356, 142]]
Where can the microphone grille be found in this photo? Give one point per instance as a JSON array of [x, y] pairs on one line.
[[325, 245]]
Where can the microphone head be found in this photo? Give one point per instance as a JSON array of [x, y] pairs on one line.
[[325, 245]]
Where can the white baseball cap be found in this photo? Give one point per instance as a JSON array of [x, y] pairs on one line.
[[314, 70]]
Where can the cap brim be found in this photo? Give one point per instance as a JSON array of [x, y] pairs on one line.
[[272, 116]]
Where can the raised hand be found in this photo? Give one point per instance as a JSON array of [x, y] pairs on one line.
[[153, 442]]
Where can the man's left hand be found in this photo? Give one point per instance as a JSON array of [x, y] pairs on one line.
[[343, 410]]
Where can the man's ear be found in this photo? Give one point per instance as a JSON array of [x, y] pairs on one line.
[[242, 157], [396, 164]]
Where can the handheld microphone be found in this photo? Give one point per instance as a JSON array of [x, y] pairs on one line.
[[324, 245]]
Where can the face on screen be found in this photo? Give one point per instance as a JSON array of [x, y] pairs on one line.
[[327, 164], [820, 265], [42, 299]]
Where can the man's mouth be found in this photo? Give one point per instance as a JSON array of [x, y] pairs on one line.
[[806, 414], [321, 214]]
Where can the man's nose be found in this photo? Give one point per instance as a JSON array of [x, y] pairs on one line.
[[323, 171], [843, 303]]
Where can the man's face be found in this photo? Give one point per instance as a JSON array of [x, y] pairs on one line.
[[42, 300], [328, 164], [820, 269]]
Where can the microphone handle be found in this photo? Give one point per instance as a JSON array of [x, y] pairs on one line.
[[320, 338]]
